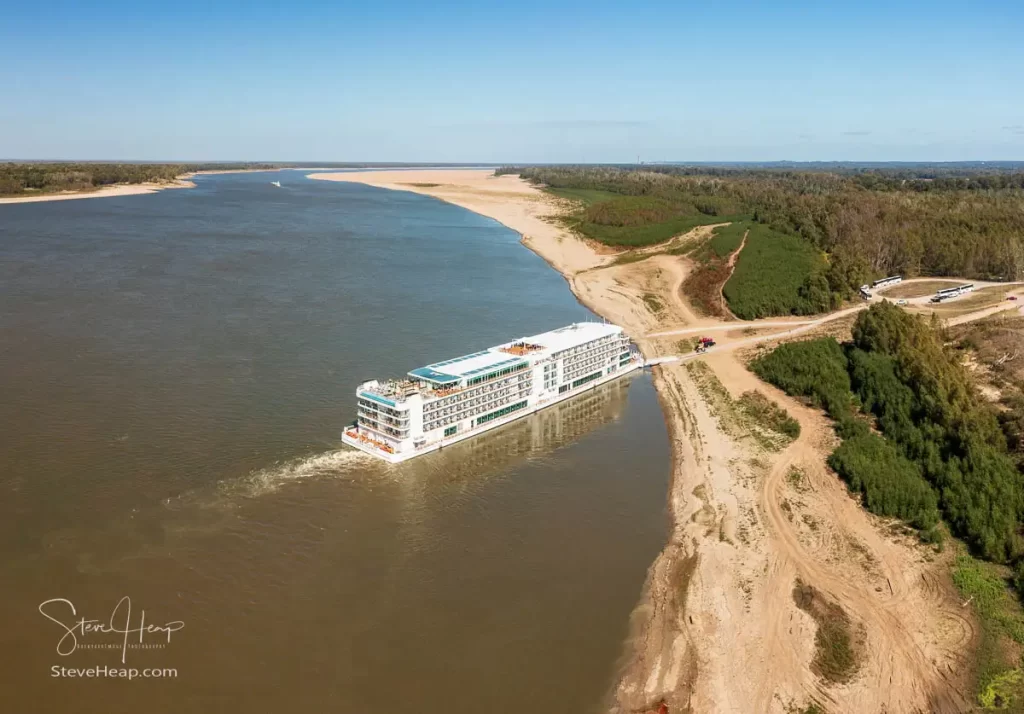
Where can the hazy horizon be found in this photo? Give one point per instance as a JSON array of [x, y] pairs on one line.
[[526, 83]]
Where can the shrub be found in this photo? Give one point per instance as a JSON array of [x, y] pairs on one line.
[[892, 484], [726, 239], [777, 274], [813, 368]]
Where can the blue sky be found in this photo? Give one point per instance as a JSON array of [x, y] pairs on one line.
[[512, 81]]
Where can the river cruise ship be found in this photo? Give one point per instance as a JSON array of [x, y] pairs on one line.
[[446, 402]]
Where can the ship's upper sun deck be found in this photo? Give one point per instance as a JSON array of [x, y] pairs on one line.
[[509, 354], [469, 366], [548, 343]]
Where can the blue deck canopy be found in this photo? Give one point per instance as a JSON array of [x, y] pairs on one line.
[[432, 375]]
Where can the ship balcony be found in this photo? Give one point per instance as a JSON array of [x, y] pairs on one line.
[[384, 418], [382, 428]]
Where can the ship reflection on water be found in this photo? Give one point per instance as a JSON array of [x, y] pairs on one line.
[[534, 439]]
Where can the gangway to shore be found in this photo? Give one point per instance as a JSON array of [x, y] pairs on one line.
[[661, 360]]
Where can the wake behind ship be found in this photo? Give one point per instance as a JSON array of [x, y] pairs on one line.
[[446, 402]]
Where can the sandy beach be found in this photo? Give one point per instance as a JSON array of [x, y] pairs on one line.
[[104, 192], [718, 628]]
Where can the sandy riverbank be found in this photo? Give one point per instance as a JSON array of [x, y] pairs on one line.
[[718, 628], [507, 199]]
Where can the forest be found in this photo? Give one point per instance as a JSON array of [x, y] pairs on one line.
[[867, 222], [916, 434]]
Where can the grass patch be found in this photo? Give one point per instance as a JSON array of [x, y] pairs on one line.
[[769, 414], [1000, 680], [637, 220], [777, 274], [752, 415], [726, 239], [586, 196], [836, 656], [644, 234], [653, 303], [423, 185]]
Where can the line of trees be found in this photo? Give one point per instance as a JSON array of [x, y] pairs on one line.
[[49, 177], [947, 221]]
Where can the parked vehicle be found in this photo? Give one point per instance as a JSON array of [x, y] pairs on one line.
[[704, 344]]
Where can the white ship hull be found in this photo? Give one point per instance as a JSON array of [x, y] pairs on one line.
[[398, 457]]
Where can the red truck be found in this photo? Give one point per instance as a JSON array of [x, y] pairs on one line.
[[704, 344]]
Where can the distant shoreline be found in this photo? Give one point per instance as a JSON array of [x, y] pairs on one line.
[[134, 189], [131, 189], [183, 181]]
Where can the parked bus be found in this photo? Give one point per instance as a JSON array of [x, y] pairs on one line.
[[953, 292], [886, 282]]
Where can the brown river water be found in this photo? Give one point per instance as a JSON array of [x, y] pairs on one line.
[[175, 372]]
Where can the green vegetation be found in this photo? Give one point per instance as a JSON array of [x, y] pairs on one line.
[[586, 196], [768, 414], [752, 415], [726, 239], [836, 656], [898, 370], [634, 222], [999, 675], [703, 286], [892, 484], [924, 401], [778, 274], [815, 369], [939, 450], [46, 177], [870, 222]]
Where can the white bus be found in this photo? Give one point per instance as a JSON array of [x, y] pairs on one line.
[[886, 282], [953, 292]]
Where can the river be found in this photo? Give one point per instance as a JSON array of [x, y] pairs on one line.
[[176, 369]]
